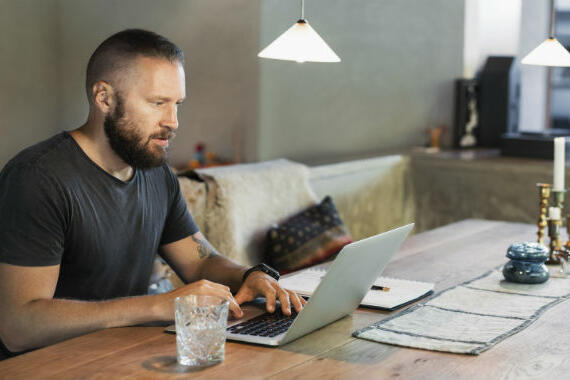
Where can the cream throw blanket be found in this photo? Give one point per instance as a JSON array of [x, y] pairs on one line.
[[243, 201]]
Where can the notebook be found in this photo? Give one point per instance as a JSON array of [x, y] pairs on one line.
[[338, 294], [395, 293]]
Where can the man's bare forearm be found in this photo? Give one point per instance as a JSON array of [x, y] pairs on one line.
[[47, 321], [217, 268], [223, 270]]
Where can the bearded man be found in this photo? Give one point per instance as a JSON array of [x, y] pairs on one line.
[[85, 212]]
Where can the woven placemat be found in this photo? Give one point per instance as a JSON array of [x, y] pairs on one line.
[[471, 317]]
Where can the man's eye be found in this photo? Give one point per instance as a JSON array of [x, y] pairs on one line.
[[158, 103]]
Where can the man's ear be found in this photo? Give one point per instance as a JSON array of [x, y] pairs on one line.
[[102, 96]]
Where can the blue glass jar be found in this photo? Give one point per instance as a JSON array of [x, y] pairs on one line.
[[527, 263]]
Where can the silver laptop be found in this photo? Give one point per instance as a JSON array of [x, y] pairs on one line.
[[339, 293]]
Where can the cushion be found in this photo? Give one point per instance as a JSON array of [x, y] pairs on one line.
[[306, 238], [241, 201]]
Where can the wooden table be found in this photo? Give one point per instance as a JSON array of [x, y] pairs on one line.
[[446, 256]]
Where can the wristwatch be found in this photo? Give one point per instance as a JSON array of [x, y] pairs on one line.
[[263, 268]]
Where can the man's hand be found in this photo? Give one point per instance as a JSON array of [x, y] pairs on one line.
[[261, 284], [194, 258], [201, 287]]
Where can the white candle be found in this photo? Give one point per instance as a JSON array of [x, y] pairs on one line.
[[554, 213], [559, 163]]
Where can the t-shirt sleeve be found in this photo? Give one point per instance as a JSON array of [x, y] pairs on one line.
[[179, 223], [32, 217]]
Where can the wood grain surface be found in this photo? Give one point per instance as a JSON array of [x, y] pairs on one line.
[[447, 256]]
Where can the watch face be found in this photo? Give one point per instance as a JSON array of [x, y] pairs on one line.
[[270, 271]]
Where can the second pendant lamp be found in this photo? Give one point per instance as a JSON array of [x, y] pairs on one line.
[[550, 52]]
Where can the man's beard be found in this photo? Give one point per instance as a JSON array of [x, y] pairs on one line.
[[128, 144]]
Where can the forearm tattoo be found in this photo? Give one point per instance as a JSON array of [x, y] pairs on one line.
[[205, 249]]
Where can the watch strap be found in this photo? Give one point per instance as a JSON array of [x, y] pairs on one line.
[[262, 268]]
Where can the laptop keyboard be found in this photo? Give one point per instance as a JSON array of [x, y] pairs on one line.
[[268, 324]]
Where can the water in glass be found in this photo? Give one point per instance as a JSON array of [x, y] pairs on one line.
[[200, 329]]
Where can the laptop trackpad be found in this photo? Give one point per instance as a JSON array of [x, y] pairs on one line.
[[250, 310]]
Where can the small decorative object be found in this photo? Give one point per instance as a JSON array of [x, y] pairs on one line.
[[434, 136], [527, 263], [199, 156], [544, 194], [202, 158], [466, 113]]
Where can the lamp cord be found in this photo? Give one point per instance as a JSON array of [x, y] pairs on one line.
[[302, 9], [551, 19]]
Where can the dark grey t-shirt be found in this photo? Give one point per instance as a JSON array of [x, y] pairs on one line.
[[58, 207]]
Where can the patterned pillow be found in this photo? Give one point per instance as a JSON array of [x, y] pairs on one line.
[[306, 238]]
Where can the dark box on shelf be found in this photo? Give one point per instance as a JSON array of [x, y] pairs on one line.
[[534, 144]]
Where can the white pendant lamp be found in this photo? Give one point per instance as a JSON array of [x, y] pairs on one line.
[[300, 43], [550, 52]]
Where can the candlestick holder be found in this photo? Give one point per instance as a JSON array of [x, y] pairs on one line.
[[558, 198], [567, 244], [544, 194], [554, 226]]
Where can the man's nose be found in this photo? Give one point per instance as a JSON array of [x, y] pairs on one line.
[[170, 119]]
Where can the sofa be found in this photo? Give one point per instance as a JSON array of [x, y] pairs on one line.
[[376, 194], [371, 196]]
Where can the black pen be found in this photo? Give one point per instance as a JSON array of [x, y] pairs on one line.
[[382, 288]]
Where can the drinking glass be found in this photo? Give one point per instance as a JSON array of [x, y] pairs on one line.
[[200, 329]]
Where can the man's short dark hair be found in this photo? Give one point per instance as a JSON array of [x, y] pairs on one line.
[[118, 50]]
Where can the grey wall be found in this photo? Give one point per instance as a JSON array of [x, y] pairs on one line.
[[399, 60], [45, 46], [28, 74], [219, 39]]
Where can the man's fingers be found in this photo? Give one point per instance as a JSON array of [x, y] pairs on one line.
[[210, 288], [270, 296], [296, 301], [244, 295], [235, 309], [261, 284], [285, 302], [225, 292]]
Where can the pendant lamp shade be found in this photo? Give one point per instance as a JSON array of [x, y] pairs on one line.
[[300, 43], [549, 53]]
